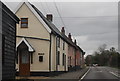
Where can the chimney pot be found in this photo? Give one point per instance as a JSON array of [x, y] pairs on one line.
[[63, 30], [49, 17], [69, 36], [75, 41]]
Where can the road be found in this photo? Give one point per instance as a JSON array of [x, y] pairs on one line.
[[99, 74]]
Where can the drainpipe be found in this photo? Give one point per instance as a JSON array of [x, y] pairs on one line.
[[56, 55], [75, 59], [50, 54]]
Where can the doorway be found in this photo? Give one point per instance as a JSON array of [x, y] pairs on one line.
[[24, 60]]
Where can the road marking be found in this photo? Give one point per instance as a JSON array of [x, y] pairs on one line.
[[85, 74], [114, 74], [98, 71]]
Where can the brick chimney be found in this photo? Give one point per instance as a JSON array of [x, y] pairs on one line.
[[63, 30], [75, 41], [69, 36], [49, 17]]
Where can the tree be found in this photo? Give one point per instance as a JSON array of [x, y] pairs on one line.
[[101, 48], [105, 57], [88, 60]]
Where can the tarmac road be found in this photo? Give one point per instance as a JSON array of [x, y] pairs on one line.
[[99, 74]]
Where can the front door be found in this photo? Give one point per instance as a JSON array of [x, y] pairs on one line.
[[24, 63]]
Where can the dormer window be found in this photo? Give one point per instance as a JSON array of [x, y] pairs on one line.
[[24, 22]]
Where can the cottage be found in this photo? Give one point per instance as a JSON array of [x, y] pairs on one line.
[[8, 41], [75, 55], [71, 54], [41, 47]]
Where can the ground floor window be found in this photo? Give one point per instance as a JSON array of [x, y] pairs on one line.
[[40, 58], [63, 59], [58, 58]]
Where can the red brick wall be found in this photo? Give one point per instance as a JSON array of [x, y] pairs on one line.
[[78, 56], [71, 56]]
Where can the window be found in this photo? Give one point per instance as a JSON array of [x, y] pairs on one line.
[[63, 45], [17, 57], [58, 58], [31, 58], [24, 22], [68, 47], [40, 58], [58, 42], [70, 60], [25, 57], [63, 59]]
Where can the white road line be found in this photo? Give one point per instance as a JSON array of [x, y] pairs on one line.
[[114, 74], [85, 74]]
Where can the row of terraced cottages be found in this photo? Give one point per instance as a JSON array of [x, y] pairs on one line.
[[41, 47]]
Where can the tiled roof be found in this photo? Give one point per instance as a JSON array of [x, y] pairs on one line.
[[53, 27]]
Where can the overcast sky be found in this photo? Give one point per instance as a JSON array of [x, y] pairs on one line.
[[91, 23]]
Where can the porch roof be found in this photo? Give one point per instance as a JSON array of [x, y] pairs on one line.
[[30, 48]]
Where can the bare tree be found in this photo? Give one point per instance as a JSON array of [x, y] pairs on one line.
[[102, 47]]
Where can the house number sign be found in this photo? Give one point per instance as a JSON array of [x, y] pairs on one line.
[[41, 53]]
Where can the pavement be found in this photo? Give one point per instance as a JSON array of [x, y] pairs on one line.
[[101, 74], [71, 75]]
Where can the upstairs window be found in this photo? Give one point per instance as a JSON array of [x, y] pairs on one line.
[[63, 45], [68, 47], [24, 22], [58, 41]]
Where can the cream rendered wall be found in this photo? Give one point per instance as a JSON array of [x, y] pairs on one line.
[[66, 49], [61, 67], [40, 46], [35, 27], [53, 55]]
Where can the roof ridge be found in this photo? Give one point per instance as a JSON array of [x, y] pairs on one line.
[[53, 27]]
